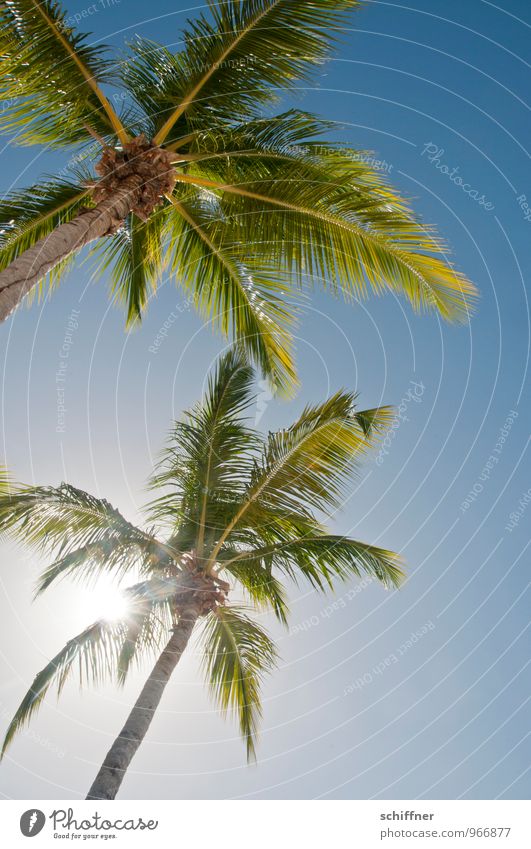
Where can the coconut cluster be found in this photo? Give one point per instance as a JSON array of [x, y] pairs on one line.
[[201, 591], [139, 161]]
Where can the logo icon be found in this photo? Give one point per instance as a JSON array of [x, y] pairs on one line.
[[32, 822]]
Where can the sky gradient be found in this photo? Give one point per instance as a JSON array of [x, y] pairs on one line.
[[420, 693]]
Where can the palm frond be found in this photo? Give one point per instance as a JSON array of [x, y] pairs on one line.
[[323, 558], [291, 134], [95, 651], [114, 553], [208, 457], [223, 436], [288, 145], [308, 465], [243, 296], [238, 653], [327, 231], [64, 519], [254, 574], [149, 75], [51, 79], [234, 61], [136, 259]]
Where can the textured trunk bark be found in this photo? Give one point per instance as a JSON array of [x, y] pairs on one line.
[[31, 266], [109, 778]]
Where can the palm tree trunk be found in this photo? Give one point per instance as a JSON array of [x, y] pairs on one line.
[[32, 265], [109, 778]]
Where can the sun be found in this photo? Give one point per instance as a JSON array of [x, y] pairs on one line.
[[105, 600]]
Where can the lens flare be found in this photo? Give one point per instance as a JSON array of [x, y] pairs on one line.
[[105, 601]]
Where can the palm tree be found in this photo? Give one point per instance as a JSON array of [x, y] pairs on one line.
[[177, 172], [234, 514]]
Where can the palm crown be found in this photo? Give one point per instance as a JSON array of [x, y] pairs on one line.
[[234, 512], [191, 181]]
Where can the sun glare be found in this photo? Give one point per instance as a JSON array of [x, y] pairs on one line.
[[105, 601]]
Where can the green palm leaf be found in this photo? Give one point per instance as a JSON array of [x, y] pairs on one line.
[[329, 231], [240, 293], [308, 465], [64, 519], [287, 136], [233, 61], [208, 457], [95, 651], [135, 257], [254, 575], [322, 558], [50, 89], [238, 653], [223, 438], [115, 553]]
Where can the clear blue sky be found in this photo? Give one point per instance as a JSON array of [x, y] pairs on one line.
[[360, 707]]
